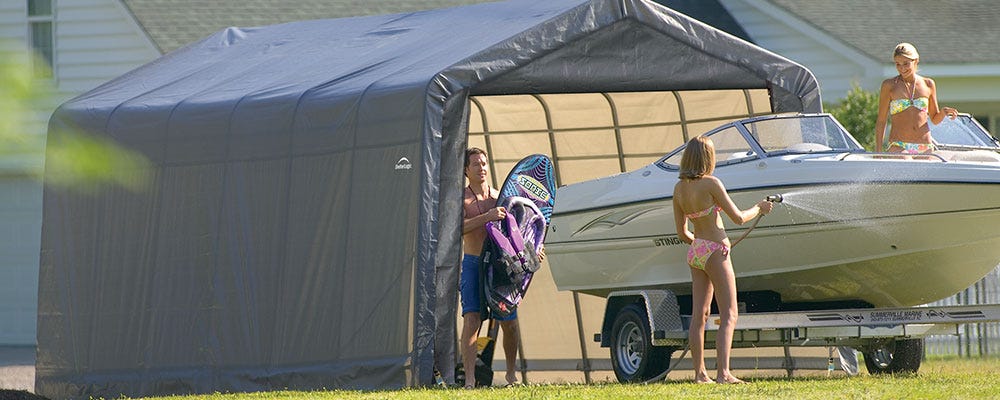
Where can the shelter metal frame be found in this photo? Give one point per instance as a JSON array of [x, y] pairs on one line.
[[486, 134]]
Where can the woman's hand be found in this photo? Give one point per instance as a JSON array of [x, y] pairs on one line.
[[765, 206], [951, 112]]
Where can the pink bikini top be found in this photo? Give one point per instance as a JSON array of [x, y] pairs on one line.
[[703, 213]]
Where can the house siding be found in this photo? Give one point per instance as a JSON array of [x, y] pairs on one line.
[[20, 238], [12, 21], [96, 40], [835, 71]]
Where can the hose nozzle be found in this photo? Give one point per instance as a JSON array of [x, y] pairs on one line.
[[774, 198]]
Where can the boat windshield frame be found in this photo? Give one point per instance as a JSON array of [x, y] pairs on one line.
[[969, 126], [749, 131]]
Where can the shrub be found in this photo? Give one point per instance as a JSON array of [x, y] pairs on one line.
[[857, 112]]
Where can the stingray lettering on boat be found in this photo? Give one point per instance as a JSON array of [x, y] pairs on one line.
[[668, 241]]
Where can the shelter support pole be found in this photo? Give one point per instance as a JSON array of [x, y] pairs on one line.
[[486, 138], [958, 338], [968, 331], [749, 100], [618, 142], [520, 354], [552, 136], [583, 341], [980, 331], [789, 362], [680, 112]]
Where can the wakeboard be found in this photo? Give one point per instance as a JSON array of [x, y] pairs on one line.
[[528, 194], [534, 178]]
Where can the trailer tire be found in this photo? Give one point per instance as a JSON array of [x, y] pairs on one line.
[[894, 356], [633, 356]]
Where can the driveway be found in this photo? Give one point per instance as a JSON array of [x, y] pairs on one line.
[[17, 368]]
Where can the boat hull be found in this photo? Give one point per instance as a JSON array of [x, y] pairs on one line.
[[884, 243]]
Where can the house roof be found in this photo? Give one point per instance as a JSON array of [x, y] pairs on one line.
[[172, 24], [955, 32]]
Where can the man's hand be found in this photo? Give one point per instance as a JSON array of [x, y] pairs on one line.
[[496, 213]]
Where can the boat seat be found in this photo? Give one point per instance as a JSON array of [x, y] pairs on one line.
[[969, 155], [739, 155], [807, 147]]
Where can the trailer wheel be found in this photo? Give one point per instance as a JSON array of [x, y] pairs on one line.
[[633, 357], [894, 356]]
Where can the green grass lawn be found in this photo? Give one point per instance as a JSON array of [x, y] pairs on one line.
[[938, 379]]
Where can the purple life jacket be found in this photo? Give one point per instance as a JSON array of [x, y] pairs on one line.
[[511, 258]]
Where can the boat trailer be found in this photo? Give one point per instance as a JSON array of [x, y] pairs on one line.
[[644, 328]]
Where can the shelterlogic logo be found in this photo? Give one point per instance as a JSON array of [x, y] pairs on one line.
[[403, 163]]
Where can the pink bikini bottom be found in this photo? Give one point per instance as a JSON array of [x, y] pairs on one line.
[[701, 250]]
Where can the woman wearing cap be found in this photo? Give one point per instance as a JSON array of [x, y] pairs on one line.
[[910, 100]]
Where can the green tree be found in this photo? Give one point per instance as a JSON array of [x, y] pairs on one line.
[[857, 112], [76, 161]]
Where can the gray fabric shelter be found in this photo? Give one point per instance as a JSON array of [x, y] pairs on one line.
[[306, 185]]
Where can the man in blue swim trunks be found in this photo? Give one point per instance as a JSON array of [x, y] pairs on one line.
[[479, 207]]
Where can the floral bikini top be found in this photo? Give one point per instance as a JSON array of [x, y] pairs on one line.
[[703, 213], [898, 105]]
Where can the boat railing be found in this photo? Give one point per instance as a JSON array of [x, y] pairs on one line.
[[892, 156], [962, 147]]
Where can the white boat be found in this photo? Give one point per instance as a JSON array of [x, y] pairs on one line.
[[855, 229]]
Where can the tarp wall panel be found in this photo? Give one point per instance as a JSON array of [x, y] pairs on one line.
[[316, 241], [377, 302], [77, 221], [184, 266], [124, 237], [252, 222]]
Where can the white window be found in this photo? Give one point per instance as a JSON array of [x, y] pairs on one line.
[[41, 35]]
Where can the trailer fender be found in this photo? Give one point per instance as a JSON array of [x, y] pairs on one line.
[[662, 312]]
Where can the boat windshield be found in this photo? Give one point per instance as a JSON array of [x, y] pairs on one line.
[[962, 131], [804, 134], [730, 147], [775, 136]]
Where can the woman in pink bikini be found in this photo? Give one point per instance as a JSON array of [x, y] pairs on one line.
[[700, 198], [910, 100]]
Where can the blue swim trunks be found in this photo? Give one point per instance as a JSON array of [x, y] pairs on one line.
[[469, 287]]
